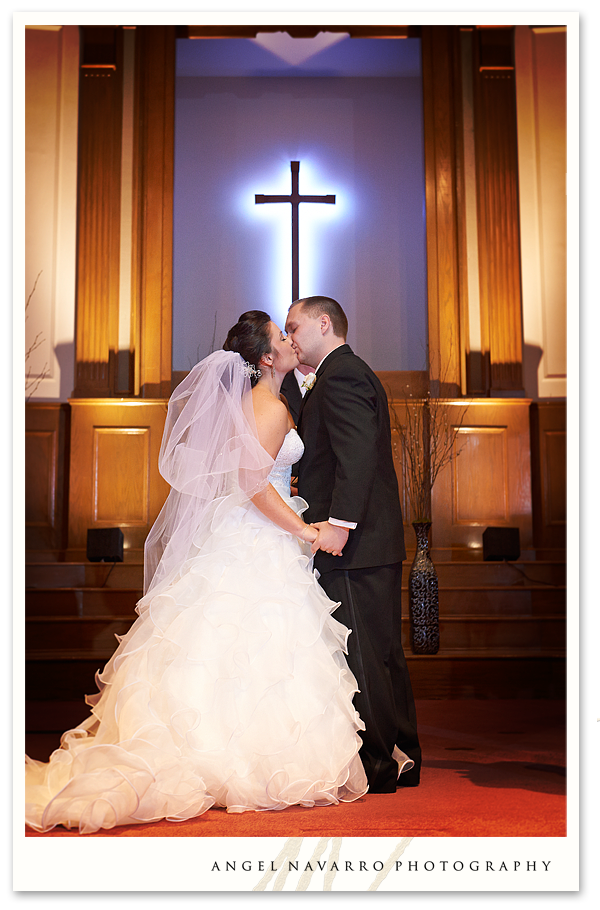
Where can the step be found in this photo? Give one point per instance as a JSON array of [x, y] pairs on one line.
[[96, 632], [77, 555], [63, 675], [475, 554], [79, 575], [453, 674], [497, 600], [81, 601], [54, 639], [85, 634], [481, 599], [496, 573], [54, 716], [452, 567], [491, 633], [477, 674]]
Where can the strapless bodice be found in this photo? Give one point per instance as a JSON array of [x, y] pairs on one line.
[[290, 452]]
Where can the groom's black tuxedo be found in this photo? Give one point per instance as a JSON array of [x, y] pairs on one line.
[[347, 472]]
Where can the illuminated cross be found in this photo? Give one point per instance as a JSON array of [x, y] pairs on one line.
[[295, 198]]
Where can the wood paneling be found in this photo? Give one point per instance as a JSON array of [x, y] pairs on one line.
[[114, 478], [46, 454], [40, 468], [99, 211], [549, 473], [492, 486], [153, 209], [121, 496], [488, 481], [439, 116], [554, 447], [498, 210], [99, 206], [480, 463]]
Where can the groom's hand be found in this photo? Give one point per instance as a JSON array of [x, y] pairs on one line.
[[331, 538]]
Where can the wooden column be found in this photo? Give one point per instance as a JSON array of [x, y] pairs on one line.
[[441, 110], [153, 210], [498, 208], [98, 216]]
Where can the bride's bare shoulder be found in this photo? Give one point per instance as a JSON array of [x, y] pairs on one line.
[[272, 419]]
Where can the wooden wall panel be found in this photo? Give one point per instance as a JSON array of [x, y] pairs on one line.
[[488, 482], [554, 448], [40, 469], [481, 463], [549, 472], [114, 478], [119, 495], [46, 454]]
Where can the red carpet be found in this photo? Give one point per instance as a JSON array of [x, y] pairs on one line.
[[490, 769]]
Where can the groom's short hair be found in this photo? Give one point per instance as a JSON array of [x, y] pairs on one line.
[[316, 306]]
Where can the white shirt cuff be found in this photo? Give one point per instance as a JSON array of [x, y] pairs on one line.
[[342, 524]]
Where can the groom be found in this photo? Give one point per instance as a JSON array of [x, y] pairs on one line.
[[347, 476]]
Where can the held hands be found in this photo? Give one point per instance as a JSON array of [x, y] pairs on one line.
[[330, 538], [308, 534]]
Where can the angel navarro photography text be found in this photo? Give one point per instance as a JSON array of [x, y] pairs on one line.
[[404, 865]]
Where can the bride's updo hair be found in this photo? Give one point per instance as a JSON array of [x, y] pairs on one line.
[[251, 338]]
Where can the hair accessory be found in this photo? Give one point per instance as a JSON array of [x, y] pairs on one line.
[[249, 370]]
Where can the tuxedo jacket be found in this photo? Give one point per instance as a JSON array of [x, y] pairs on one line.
[[347, 470], [293, 395]]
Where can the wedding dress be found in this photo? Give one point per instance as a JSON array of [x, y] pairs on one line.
[[230, 689]]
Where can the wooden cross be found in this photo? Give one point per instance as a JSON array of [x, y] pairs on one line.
[[295, 199]]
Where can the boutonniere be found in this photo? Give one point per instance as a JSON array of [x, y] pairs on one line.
[[309, 381]]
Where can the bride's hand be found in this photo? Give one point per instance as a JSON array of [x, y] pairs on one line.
[[309, 534], [331, 538]]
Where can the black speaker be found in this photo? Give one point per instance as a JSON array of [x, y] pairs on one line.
[[105, 545], [501, 543]]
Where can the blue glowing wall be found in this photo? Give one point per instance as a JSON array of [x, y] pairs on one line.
[[356, 136]]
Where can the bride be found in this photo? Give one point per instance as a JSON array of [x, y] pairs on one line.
[[231, 688]]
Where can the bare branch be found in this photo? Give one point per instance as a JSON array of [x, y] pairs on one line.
[[428, 440], [32, 381], [32, 291]]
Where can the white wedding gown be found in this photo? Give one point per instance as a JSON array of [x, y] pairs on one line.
[[230, 689]]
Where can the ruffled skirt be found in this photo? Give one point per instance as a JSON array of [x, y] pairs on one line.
[[230, 689]]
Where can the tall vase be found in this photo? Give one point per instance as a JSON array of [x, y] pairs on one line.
[[423, 596]]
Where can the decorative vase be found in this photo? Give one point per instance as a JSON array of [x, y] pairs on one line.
[[423, 596]]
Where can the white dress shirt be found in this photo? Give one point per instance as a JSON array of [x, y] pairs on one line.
[[300, 377]]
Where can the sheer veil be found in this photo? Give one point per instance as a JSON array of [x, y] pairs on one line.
[[212, 459]]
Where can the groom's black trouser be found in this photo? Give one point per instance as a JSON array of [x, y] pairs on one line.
[[371, 607]]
